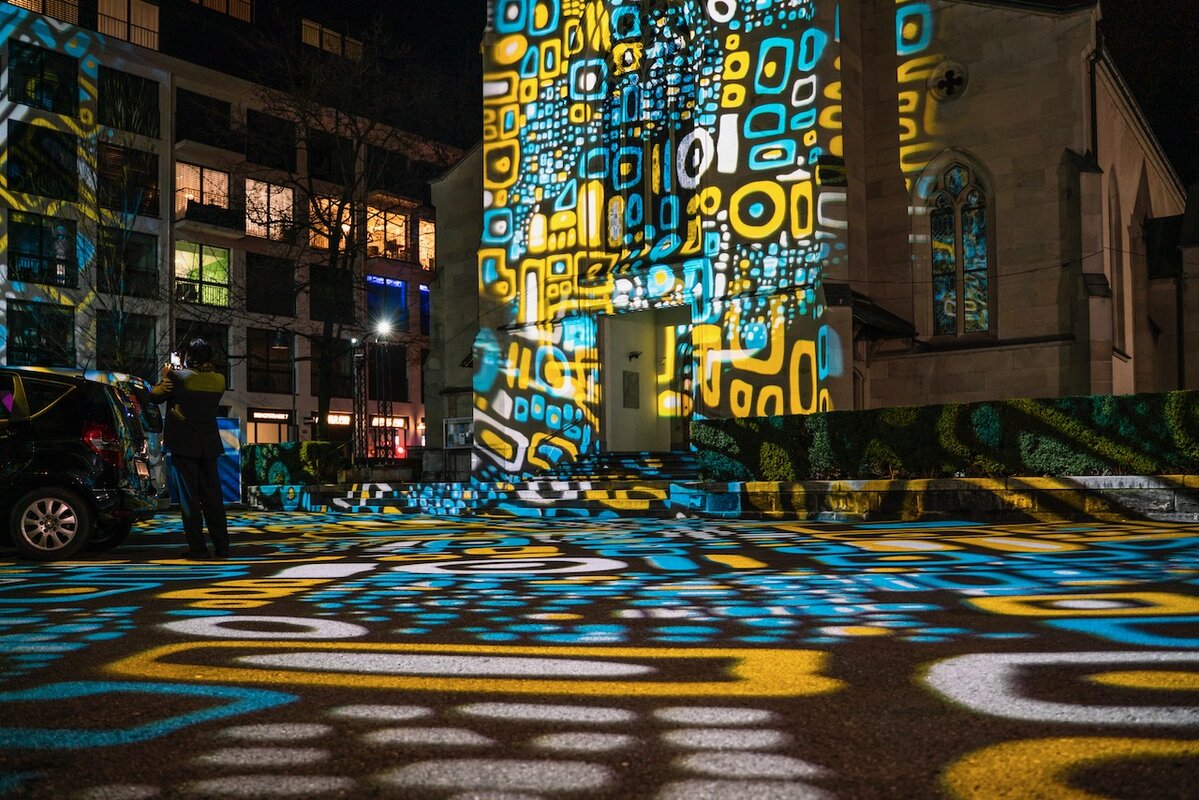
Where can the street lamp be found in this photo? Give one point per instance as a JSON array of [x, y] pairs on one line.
[[384, 436], [359, 419]]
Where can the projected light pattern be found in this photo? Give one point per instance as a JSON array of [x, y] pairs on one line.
[[647, 155], [63, 287]]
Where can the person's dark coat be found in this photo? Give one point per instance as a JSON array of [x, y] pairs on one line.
[[193, 398]]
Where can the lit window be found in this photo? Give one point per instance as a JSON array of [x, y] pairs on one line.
[[331, 41], [961, 273], [132, 20], [200, 185], [387, 302], [66, 10], [238, 9], [426, 311], [386, 233], [332, 223], [42, 250], [268, 210], [201, 274], [428, 242]]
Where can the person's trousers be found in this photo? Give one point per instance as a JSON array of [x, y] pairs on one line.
[[200, 501]]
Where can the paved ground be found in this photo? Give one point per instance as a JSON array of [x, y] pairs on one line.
[[368, 656]]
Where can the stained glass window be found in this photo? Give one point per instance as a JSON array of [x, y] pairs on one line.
[[961, 284]]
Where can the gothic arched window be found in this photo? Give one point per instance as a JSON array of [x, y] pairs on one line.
[[961, 274]]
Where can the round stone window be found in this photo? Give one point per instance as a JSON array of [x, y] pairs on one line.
[[947, 80]]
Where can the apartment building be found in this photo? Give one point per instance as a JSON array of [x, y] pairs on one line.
[[159, 186]]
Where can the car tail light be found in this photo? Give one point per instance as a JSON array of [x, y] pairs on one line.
[[102, 439]]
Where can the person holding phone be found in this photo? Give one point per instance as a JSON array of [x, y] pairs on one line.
[[193, 395]]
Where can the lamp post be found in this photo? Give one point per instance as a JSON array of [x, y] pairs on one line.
[[358, 418], [384, 436]]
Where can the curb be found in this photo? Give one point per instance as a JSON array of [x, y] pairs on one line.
[[1160, 498]]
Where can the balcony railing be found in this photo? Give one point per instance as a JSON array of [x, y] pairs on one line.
[[45, 270], [208, 294], [231, 219]]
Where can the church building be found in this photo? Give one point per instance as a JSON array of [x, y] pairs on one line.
[[731, 208]]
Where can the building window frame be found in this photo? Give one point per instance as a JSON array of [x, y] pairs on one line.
[[270, 362], [387, 232], [956, 257], [126, 262], [42, 161], [65, 10], [270, 210], [387, 302], [198, 184], [44, 252], [328, 214], [331, 295], [127, 342], [122, 172], [341, 367], [314, 34], [270, 285], [238, 9], [128, 102], [202, 274], [40, 334], [135, 21], [426, 309], [427, 243], [43, 78]]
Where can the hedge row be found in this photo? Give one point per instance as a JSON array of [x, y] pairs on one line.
[[290, 463], [1140, 434]]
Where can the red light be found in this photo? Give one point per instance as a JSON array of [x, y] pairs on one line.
[[102, 440]]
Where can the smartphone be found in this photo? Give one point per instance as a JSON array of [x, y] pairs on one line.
[[176, 361]]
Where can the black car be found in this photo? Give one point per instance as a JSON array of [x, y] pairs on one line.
[[74, 467]]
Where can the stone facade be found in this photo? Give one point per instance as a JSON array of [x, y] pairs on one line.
[[773, 208]]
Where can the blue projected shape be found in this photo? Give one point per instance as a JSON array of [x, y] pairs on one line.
[[235, 702]]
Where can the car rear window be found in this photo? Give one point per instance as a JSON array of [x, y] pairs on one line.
[[41, 394]]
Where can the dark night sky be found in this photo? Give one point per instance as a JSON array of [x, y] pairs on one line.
[[1156, 45], [1154, 42]]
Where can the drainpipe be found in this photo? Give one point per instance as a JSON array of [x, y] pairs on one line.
[[1180, 323], [1093, 62]]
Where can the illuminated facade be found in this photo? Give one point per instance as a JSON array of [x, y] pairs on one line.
[[723, 208], [141, 209]]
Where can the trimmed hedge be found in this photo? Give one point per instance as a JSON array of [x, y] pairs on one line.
[[1140, 434], [290, 463]]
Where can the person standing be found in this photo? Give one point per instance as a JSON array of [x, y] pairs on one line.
[[193, 396]]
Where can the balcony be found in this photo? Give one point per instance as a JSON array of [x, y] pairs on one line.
[[193, 217], [210, 144], [44, 270]]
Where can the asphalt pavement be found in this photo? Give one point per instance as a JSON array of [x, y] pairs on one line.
[[369, 655]]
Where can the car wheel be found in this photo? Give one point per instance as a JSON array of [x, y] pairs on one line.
[[111, 536], [50, 523]]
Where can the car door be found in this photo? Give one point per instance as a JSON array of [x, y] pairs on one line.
[[15, 448]]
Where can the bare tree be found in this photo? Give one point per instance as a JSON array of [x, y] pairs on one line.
[[93, 248], [326, 165]]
